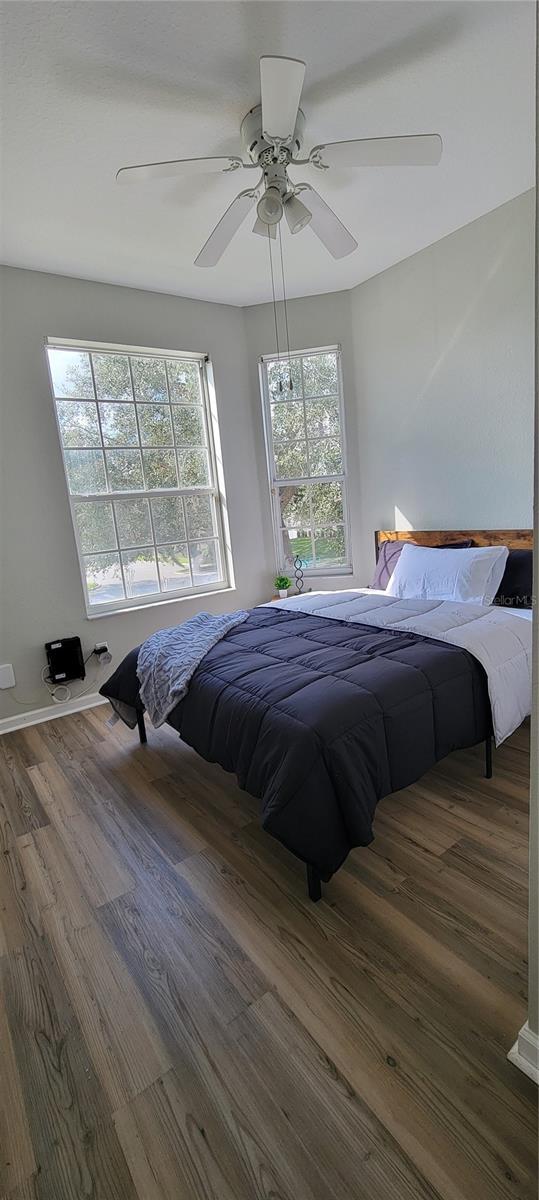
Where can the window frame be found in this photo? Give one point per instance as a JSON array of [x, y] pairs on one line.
[[275, 484], [215, 489]]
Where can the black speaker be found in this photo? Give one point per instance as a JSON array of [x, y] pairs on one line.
[[65, 660]]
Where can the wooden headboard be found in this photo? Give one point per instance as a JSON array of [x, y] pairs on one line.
[[515, 539]]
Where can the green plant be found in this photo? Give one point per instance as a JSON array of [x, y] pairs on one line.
[[282, 583]]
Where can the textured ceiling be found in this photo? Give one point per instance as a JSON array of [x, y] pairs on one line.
[[87, 87]]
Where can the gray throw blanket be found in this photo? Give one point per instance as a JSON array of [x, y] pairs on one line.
[[169, 658]]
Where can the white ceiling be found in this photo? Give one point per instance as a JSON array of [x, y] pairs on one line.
[[88, 87]]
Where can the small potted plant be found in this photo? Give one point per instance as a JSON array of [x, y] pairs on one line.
[[282, 583]]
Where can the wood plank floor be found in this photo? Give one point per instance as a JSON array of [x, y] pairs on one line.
[[178, 1022]]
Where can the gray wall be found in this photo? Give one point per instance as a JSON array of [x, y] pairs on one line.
[[444, 359], [438, 382], [41, 592]]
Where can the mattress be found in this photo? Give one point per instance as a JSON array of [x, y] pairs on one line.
[[320, 718]]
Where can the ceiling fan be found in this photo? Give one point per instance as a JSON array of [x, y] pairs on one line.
[[272, 138]]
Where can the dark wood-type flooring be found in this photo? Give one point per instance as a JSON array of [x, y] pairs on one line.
[[179, 1022]]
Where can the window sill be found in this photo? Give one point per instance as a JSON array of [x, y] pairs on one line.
[[325, 572], [116, 612]]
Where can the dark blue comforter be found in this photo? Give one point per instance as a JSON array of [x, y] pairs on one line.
[[319, 719]]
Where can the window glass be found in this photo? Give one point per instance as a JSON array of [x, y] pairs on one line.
[[303, 413], [137, 444]]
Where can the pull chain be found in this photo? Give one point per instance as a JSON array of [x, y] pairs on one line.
[[275, 310], [285, 305]]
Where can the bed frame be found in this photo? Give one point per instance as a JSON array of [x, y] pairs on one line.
[[514, 539]]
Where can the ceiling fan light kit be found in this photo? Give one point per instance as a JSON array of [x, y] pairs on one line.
[[270, 205], [297, 214], [272, 137]]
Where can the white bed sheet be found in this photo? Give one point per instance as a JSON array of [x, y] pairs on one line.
[[499, 638]]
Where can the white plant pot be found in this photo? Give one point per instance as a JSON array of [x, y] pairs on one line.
[[283, 593]]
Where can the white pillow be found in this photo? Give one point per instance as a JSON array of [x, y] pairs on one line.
[[472, 576]]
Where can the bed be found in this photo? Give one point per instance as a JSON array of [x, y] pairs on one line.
[[323, 704]]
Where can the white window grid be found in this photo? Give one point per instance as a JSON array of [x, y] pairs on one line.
[[211, 490], [276, 483]]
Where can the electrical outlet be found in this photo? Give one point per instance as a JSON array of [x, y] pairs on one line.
[[102, 652], [7, 676]]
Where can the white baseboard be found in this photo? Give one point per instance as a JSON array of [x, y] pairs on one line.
[[49, 712], [525, 1052]]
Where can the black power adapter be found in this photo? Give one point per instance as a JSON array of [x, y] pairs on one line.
[[65, 660]]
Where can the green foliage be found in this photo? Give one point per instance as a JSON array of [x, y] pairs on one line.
[[299, 546], [160, 469], [85, 471], [295, 505], [193, 468], [313, 508], [305, 420], [282, 583], [78, 423], [121, 420], [287, 421], [315, 503], [71, 374], [135, 393], [112, 377], [280, 372], [118, 424], [95, 526], [124, 469], [329, 547], [327, 503], [178, 554], [188, 426], [102, 564], [312, 375], [200, 520], [155, 425], [149, 378], [291, 460], [168, 519], [184, 382], [325, 458], [320, 374], [323, 418], [133, 521]]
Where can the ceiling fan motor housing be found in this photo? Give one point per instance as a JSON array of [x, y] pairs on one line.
[[259, 150]]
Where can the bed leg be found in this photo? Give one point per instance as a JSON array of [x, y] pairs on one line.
[[488, 757], [141, 728], [314, 884]]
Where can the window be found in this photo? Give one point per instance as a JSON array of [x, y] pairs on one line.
[[137, 437], [304, 426]]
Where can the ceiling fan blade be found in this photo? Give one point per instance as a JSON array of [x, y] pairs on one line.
[[264, 230], [177, 167], [281, 81], [225, 229], [325, 223], [419, 150]]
